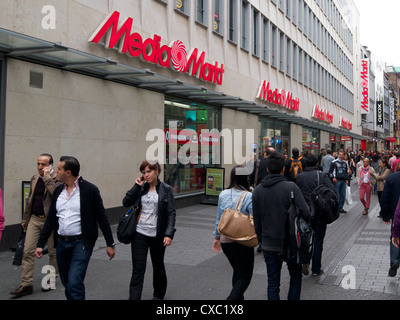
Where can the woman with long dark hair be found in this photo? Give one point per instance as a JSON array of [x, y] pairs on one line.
[[240, 257], [154, 230]]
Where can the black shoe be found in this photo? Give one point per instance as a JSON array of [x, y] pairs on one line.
[[393, 269], [342, 211], [321, 272], [22, 291]]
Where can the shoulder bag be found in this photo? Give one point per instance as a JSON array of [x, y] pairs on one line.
[[238, 226], [127, 224]]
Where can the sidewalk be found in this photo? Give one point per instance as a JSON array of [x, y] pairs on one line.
[[195, 272]]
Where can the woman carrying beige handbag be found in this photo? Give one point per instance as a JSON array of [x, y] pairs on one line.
[[240, 257]]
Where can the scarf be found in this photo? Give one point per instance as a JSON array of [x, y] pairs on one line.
[[364, 170]]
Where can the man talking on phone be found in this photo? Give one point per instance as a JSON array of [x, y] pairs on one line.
[[41, 191]]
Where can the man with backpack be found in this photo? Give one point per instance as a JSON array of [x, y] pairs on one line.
[[294, 165], [271, 202], [308, 181]]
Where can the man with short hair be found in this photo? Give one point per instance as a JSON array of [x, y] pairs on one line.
[[271, 202], [340, 178], [75, 213], [326, 161], [290, 173], [308, 181], [42, 186]]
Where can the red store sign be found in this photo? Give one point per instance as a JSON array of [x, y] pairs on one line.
[[172, 56], [346, 124], [281, 98], [322, 114]]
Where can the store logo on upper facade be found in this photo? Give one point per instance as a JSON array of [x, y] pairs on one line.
[[365, 86], [346, 124], [322, 114], [281, 98], [172, 56]]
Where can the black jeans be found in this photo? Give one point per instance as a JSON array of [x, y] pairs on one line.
[[241, 259], [139, 248], [319, 235]]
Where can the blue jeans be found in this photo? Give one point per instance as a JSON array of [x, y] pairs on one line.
[[274, 267], [341, 192], [73, 260]]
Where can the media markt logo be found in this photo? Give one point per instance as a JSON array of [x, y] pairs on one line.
[[174, 55]]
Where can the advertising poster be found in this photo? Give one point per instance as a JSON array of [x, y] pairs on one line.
[[214, 181]]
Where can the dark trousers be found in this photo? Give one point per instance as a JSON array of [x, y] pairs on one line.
[[274, 267], [72, 261], [241, 259], [139, 248], [319, 235]]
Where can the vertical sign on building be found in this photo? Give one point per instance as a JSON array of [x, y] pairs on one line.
[[379, 113], [364, 86]]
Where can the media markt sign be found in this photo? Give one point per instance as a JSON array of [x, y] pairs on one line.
[[175, 56]]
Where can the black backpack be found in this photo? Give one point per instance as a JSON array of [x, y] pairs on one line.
[[299, 240], [324, 203]]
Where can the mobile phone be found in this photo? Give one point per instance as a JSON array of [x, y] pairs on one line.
[[141, 178]]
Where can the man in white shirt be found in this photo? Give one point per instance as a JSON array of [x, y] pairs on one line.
[[75, 213]]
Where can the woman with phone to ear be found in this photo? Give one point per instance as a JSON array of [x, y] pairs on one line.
[[155, 228]]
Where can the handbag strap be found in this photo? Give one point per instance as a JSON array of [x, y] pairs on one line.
[[240, 200]]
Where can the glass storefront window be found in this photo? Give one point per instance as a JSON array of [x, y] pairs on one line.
[[274, 134], [311, 141], [184, 122]]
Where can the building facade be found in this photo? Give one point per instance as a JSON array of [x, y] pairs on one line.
[[196, 84]]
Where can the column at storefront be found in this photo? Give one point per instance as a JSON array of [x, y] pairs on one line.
[[183, 125], [311, 140]]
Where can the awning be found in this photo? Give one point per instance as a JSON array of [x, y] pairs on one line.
[[23, 47]]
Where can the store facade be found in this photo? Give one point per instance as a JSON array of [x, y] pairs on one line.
[[219, 83]]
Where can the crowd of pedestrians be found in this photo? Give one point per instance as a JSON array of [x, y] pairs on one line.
[[275, 177], [64, 211]]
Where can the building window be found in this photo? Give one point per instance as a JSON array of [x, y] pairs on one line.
[[201, 11], [281, 51], [274, 48], [265, 30], [288, 57], [295, 54], [232, 21], [245, 25], [256, 32], [300, 66], [282, 5], [218, 26], [182, 6]]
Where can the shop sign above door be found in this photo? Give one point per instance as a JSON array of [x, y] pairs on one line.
[[280, 98], [175, 56]]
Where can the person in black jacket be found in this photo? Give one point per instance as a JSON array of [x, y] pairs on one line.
[[155, 228], [308, 181], [288, 166], [271, 202], [76, 211], [340, 177], [389, 200]]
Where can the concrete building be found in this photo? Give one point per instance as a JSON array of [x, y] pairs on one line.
[[106, 80]]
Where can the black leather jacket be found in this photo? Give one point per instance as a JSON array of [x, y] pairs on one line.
[[166, 206]]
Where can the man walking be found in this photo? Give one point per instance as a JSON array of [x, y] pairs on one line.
[[389, 200], [274, 193], [326, 161], [338, 174], [308, 181], [294, 165], [40, 195], [75, 212]]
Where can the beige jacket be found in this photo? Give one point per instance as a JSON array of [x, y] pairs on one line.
[[50, 183], [381, 179]]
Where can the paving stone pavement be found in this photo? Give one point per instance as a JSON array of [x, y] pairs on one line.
[[195, 272]]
